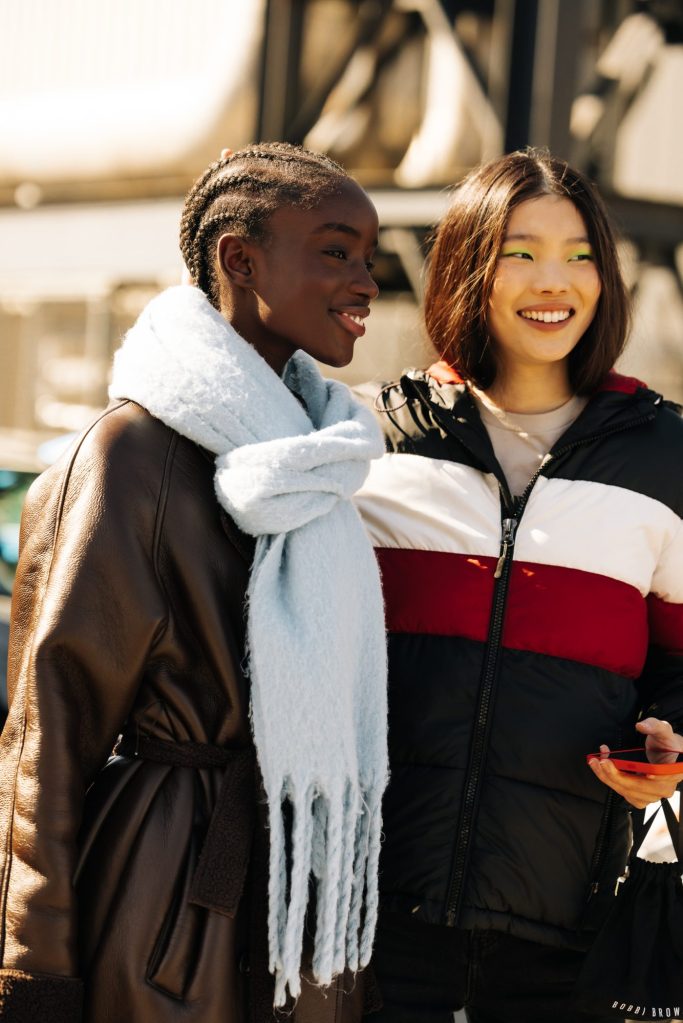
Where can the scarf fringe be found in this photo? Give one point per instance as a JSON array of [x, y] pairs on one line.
[[336, 840]]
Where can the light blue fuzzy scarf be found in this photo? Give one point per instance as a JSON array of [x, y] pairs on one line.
[[317, 657]]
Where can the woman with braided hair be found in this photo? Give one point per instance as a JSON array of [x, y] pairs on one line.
[[195, 589]]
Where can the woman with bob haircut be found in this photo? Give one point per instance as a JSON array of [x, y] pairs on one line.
[[527, 521]]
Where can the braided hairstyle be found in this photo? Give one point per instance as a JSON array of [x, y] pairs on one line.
[[241, 192]]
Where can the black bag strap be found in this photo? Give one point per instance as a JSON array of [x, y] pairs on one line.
[[675, 827], [641, 827]]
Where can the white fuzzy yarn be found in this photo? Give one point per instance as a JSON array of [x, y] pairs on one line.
[[315, 617]]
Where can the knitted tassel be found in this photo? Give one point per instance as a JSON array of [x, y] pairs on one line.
[[277, 889], [371, 880], [358, 889], [330, 839], [349, 832]]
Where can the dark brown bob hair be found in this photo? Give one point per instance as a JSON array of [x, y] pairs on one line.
[[464, 257]]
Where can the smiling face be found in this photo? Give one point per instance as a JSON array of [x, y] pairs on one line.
[[546, 287], [309, 285]]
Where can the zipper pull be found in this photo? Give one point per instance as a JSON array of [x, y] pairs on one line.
[[508, 542], [620, 880]]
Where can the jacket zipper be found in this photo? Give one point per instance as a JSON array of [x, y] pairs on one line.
[[510, 523], [601, 845], [477, 756]]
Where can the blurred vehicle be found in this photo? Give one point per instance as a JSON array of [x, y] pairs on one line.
[[23, 456]]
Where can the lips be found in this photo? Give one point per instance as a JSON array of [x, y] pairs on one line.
[[351, 319]]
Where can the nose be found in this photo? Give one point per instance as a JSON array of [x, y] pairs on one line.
[[551, 277], [364, 284]]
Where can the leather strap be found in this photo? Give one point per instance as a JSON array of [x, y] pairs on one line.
[[219, 878]]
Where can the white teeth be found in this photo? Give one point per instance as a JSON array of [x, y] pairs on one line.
[[546, 316]]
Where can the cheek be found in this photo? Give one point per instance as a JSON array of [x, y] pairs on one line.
[[500, 303], [496, 323], [593, 290]]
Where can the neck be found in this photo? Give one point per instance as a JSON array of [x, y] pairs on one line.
[[246, 321], [531, 389]]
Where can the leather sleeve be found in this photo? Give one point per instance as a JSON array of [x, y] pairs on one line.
[[86, 611]]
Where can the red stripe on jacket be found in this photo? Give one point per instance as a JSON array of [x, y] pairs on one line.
[[562, 612], [666, 624]]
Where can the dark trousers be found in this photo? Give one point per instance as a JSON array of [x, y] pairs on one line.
[[427, 972]]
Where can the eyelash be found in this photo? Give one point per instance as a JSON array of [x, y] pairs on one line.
[[337, 253]]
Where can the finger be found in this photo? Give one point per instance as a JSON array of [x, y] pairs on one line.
[[654, 726], [659, 737], [639, 790]]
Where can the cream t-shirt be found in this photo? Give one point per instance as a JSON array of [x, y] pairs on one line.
[[521, 440]]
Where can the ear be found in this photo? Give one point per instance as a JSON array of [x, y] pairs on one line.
[[236, 260]]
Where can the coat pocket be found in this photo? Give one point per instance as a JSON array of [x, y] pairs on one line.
[[211, 879], [174, 957]]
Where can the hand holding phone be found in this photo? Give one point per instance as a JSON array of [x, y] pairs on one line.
[[636, 760], [644, 775]]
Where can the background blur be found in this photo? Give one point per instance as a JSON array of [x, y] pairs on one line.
[[110, 108]]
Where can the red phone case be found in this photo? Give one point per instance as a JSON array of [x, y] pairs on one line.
[[639, 766]]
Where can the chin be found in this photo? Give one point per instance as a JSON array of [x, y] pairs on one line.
[[336, 361]]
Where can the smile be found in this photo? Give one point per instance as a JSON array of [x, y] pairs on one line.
[[546, 315], [351, 320]]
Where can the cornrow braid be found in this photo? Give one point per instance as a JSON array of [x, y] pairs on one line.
[[241, 192], [198, 267], [194, 231]]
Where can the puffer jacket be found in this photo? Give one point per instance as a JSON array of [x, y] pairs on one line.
[[134, 887], [523, 634]]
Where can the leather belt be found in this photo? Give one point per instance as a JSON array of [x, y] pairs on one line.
[[219, 878]]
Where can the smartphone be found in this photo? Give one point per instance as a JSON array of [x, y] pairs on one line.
[[635, 761]]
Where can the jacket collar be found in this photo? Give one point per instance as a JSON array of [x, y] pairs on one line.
[[619, 403]]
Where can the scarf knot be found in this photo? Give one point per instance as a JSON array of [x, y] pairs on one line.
[[280, 485], [285, 471]]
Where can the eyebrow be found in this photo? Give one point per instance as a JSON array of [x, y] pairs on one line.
[[341, 229], [582, 240]]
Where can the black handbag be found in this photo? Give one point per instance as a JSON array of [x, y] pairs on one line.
[[634, 968]]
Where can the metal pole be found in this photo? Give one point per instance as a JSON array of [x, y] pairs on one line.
[[521, 74], [279, 92], [558, 38]]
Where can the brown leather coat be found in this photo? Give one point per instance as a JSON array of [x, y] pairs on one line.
[[128, 615]]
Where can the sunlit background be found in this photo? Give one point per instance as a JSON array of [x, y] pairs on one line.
[[110, 108]]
